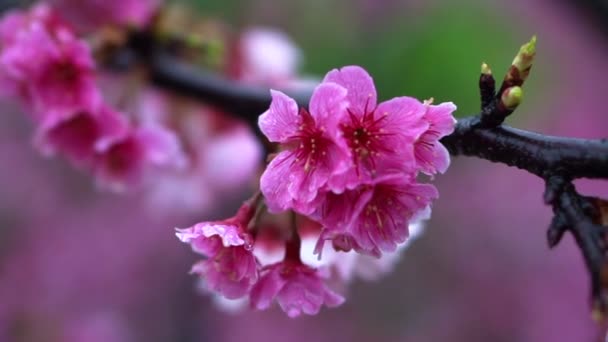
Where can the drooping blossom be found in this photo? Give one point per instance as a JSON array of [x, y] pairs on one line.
[[298, 289], [374, 217], [349, 265], [313, 149], [230, 268], [379, 136], [431, 155]]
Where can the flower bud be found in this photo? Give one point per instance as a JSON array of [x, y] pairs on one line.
[[485, 69], [487, 86], [511, 97], [525, 57]]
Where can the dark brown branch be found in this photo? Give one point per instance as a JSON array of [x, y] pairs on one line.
[[539, 154], [579, 215], [246, 102]]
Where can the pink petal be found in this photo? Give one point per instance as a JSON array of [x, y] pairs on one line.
[[199, 243], [441, 118], [217, 275], [305, 292], [269, 57], [187, 235], [403, 115], [432, 157], [275, 180], [383, 223], [306, 186], [229, 234], [226, 170], [332, 299], [161, 146], [266, 289], [282, 120], [441, 159], [361, 90], [327, 105]]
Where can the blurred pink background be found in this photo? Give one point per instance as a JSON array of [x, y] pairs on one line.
[[77, 264]]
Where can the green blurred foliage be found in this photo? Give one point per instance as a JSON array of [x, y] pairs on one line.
[[436, 56], [435, 53]]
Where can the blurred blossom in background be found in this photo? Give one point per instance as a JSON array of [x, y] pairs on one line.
[[80, 264]]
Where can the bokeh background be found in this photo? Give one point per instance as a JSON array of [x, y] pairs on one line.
[[77, 264]]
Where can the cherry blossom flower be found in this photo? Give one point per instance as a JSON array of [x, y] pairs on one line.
[[76, 135], [267, 57], [313, 150], [297, 288], [374, 218], [223, 169], [54, 70], [18, 22], [212, 173], [349, 265], [431, 155], [230, 268], [123, 160], [380, 136]]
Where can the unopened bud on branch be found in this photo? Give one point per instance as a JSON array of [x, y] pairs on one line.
[[520, 68], [525, 57], [511, 97], [485, 69]]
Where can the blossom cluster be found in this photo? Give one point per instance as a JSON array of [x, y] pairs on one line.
[[351, 163], [346, 172], [121, 131], [51, 71]]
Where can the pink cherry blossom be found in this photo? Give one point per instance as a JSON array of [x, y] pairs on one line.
[[313, 149], [58, 74], [374, 217], [213, 172], [345, 266], [370, 268], [267, 57], [75, 136], [297, 288], [230, 268], [123, 160], [431, 155], [17, 22], [223, 169], [380, 136]]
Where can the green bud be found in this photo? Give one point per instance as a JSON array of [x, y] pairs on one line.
[[485, 69], [511, 97], [525, 57]]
